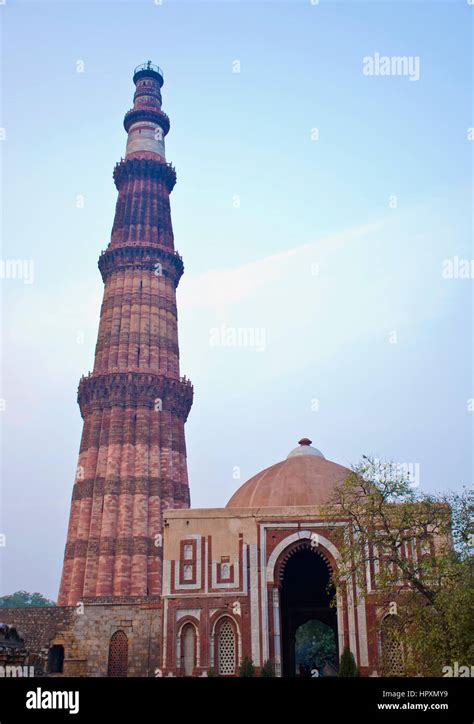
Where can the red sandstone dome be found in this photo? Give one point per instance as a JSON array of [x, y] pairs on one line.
[[304, 478]]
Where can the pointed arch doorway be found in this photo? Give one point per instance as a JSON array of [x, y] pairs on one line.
[[305, 595]]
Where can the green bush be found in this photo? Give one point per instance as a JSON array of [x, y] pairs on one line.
[[347, 666], [267, 669], [247, 668]]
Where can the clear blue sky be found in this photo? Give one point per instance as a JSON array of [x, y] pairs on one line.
[[302, 203]]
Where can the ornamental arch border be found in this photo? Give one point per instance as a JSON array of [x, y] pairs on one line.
[[282, 552], [287, 547], [213, 642], [188, 620]]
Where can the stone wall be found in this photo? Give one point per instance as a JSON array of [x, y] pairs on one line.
[[38, 626], [86, 640], [85, 632]]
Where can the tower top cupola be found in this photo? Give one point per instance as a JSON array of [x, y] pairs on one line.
[[148, 70]]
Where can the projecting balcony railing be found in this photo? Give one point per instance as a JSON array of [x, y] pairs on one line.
[[118, 370], [142, 244], [150, 67], [149, 113]]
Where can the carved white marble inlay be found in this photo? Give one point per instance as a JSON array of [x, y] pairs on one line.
[[182, 612]]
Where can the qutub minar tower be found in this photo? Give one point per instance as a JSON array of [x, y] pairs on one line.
[[132, 460]]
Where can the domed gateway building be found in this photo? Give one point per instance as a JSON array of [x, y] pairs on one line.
[[242, 580]]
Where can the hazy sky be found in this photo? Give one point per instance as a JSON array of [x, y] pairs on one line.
[[315, 206]]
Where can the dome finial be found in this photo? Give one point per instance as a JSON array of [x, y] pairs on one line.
[[305, 448]]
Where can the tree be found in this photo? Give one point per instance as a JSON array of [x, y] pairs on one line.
[[347, 666], [315, 645], [247, 669], [19, 599], [267, 670], [420, 543]]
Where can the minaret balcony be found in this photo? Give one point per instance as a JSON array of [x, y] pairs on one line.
[[154, 115], [148, 69]]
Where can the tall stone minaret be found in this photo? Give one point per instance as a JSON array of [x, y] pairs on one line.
[[132, 459]]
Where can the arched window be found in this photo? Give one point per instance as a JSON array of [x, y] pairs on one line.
[[56, 659], [391, 646], [226, 648], [118, 655], [188, 649]]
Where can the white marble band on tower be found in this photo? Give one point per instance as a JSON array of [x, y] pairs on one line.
[[146, 136]]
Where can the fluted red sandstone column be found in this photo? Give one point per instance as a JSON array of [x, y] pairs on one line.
[[132, 460]]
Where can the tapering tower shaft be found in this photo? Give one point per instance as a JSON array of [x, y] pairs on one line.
[[132, 459]]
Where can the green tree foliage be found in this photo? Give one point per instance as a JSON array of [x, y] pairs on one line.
[[247, 669], [19, 599], [315, 645], [421, 543], [347, 666], [267, 670]]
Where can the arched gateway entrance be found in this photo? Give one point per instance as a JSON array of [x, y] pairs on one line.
[[304, 575]]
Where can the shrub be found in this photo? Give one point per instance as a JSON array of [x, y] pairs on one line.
[[247, 668], [267, 669], [347, 666]]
